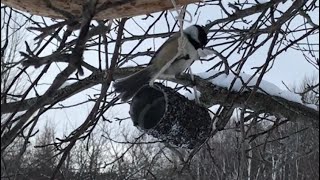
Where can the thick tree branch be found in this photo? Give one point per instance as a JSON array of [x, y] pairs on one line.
[[210, 95]]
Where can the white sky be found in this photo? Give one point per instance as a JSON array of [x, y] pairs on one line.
[[290, 68]]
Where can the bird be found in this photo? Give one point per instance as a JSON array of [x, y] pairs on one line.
[[194, 38]]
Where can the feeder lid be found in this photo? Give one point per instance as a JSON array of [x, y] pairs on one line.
[[147, 107], [111, 8]]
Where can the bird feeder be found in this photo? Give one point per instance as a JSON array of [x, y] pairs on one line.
[[167, 115], [105, 9]]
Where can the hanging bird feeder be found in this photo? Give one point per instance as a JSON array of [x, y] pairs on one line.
[[167, 115]]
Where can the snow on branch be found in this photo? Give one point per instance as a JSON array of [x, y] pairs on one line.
[[245, 82]]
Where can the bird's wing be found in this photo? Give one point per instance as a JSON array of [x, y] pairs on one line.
[[167, 51]]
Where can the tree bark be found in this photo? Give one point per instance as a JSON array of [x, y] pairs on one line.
[[106, 9]]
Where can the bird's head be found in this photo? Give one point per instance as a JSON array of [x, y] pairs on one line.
[[197, 36]]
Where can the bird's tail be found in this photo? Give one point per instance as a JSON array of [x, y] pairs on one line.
[[128, 86]]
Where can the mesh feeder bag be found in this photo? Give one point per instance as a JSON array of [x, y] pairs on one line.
[[167, 115]]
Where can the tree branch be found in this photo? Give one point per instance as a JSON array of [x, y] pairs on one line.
[[210, 95]]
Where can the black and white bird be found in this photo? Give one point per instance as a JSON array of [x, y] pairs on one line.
[[194, 38]]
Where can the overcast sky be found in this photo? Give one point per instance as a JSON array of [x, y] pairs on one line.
[[290, 68]]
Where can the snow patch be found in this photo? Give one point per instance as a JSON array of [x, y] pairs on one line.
[[64, 85], [246, 81]]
